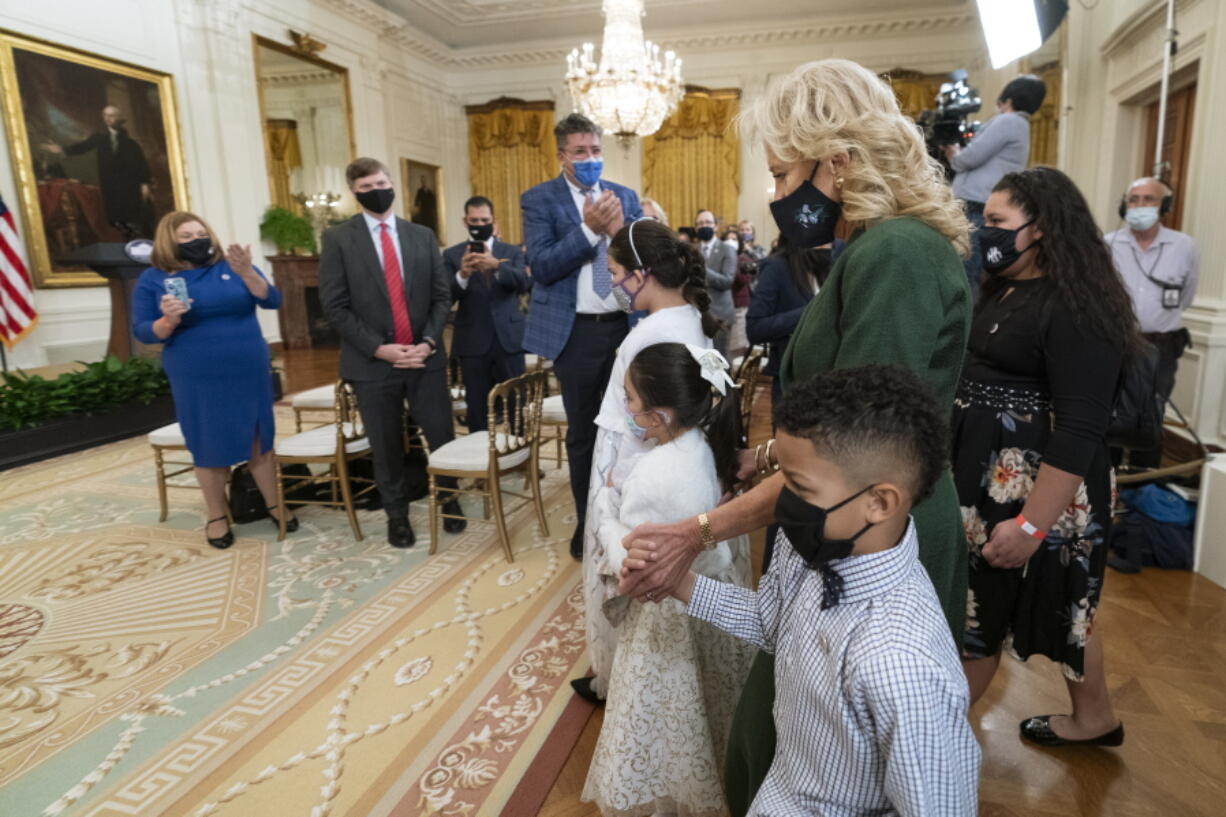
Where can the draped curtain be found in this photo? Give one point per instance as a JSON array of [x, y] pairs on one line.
[[285, 155], [694, 160], [915, 91], [1045, 122], [510, 148]]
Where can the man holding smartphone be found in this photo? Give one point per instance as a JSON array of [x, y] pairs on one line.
[[487, 276]]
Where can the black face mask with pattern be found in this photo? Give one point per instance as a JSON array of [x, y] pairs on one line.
[[806, 216]]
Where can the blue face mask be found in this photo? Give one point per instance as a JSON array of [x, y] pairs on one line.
[[587, 172]]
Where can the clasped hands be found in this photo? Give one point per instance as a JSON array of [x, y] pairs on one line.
[[603, 215], [403, 356]]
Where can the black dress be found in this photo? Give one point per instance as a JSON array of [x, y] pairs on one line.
[[1037, 387]]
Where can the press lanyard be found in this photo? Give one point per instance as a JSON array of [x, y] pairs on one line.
[[1150, 273]]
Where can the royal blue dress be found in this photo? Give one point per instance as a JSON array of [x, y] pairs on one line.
[[216, 359]]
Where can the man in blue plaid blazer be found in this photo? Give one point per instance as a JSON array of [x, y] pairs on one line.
[[574, 319]]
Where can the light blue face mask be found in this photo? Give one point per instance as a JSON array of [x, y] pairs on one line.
[[1141, 218], [587, 172]]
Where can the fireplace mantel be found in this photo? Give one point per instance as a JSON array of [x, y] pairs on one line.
[[294, 274]]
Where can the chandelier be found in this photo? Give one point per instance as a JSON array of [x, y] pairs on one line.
[[633, 88]]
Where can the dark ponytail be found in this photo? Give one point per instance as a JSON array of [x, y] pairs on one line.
[[666, 376], [675, 264]]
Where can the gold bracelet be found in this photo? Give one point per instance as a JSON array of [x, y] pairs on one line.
[[704, 529], [771, 465], [757, 460]]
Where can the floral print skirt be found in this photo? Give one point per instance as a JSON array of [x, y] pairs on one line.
[[1047, 606]]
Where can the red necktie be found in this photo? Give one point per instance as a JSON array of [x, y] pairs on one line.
[[395, 289]]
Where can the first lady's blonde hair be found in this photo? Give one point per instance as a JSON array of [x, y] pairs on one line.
[[835, 106]]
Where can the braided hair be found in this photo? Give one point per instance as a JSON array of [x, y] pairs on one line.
[[1072, 254], [674, 264]]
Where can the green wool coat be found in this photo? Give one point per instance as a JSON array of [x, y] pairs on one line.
[[897, 295]]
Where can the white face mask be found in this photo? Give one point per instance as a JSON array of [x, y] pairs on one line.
[[1141, 218], [732, 242]]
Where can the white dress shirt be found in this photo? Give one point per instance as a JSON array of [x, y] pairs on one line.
[[870, 697], [586, 299], [706, 246], [1171, 258], [461, 280], [373, 224]]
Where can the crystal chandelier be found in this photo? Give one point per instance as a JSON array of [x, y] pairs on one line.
[[633, 89]]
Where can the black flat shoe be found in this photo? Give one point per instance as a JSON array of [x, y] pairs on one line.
[[291, 524], [583, 688], [576, 543], [453, 525], [1038, 730], [221, 542], [400, 532]]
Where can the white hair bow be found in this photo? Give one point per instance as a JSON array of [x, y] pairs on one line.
[[714, 367]]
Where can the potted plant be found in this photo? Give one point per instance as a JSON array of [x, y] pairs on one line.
[[106, 401], [290, 232]]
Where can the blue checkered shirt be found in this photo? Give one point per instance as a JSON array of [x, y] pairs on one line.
[[870, 698]]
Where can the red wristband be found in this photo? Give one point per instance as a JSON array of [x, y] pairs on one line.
[[1029, 529]]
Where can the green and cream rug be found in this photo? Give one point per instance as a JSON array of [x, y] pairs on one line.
[[144, 673]]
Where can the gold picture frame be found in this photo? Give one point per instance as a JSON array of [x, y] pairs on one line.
[[306, 49], [423, 207], [52, 94]]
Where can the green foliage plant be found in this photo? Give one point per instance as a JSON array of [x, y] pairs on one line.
[[288, 231], [29, 400]]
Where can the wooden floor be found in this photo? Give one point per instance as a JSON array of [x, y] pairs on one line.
[[1165, 637]]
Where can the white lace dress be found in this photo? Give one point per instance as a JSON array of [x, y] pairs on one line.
[[615, 453], [675, 680]]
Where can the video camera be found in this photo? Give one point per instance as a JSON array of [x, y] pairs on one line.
[[948, 124]]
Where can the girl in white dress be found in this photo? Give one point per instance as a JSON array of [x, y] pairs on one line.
[[675, 680], [656, 273]]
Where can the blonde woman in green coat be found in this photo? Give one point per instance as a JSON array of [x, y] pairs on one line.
[[839, 147]]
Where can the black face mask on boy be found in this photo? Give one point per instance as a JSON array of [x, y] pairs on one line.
[[805, 526]]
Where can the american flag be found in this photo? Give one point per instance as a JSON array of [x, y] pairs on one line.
[[17, 313]]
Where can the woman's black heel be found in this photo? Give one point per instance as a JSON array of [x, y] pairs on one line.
[[221, 542], [291, 524]]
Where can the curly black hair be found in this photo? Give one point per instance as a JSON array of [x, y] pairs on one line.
[[876, 423], [1072, 254]]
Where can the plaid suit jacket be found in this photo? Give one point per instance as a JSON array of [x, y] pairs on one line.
[[557, 250]]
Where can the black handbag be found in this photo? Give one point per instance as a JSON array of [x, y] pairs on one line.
[[246, 502], [1136, 417]]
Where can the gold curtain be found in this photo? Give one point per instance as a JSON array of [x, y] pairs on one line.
[[1045, 122], [285, 154], [510, 148], [915, 91], [694, 160]]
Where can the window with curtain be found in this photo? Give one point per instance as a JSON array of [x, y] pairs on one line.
[[510, 148], [694, 160], [284, 156], [1045, 122]]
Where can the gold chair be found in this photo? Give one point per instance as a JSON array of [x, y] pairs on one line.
[[553, 428], [335, 445], [319, 401], [511, 444], [747, 382], [170, 439], [459, 399]]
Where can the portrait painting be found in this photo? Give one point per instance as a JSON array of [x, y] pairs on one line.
[[423, 195], [95, 148]]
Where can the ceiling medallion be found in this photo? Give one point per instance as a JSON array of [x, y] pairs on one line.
[[633, 88]]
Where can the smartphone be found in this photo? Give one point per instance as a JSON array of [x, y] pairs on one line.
[[177, 287], [476, 246]]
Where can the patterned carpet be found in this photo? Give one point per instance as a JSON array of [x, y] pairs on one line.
[[145, 673]]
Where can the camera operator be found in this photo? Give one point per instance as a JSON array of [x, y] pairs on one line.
[[1001, 146]]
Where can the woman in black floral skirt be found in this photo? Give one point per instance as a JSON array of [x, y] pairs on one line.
[[1053, 327]]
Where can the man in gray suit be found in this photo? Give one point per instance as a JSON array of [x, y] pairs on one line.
[[383, 288], [721, 272]]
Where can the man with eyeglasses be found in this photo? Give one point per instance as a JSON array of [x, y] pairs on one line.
[[574, 320]]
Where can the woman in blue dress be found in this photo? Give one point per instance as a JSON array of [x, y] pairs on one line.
[[215, 356]]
